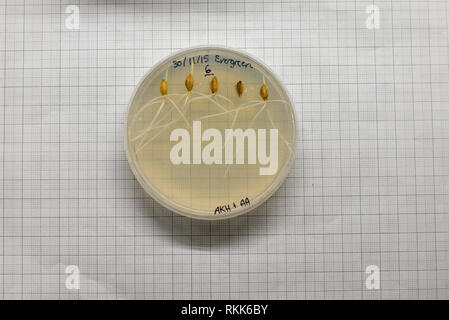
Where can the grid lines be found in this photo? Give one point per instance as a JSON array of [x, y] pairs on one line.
[[369, 185]]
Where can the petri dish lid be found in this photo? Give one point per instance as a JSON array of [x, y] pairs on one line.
[[210, 132]]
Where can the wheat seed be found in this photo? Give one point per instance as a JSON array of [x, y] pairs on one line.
[[240, 88], [164, 87], [264, 92], [214, 85], [189, 82]]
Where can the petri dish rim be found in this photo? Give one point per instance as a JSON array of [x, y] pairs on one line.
[[260, 199]]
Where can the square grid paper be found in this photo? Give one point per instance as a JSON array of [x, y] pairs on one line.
[[370, 185]]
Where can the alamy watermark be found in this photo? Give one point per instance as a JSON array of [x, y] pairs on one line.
[[372, 282], [373, 19], [72, 281], [72, 21], [189, 152]]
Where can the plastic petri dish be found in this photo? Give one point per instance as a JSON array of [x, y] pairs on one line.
[[210, 132]]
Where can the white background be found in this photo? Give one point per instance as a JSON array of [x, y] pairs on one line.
[[370, 185]]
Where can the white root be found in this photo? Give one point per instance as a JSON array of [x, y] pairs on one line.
[[179, 111], [151, 124], [258, 113], [147, 142], [157, 124], [147, 105], [227, 140], [150, 103], [280, 135], [208, 97], [223, 97], [230, 111]]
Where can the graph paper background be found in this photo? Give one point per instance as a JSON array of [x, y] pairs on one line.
[[370, 185]]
